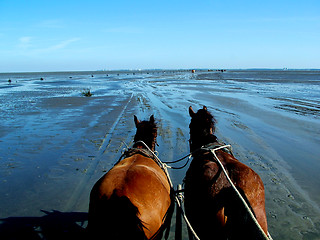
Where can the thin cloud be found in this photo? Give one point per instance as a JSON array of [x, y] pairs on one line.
[[63, 44], [28, 46], [25, 42]]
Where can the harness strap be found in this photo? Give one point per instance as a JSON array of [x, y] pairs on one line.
[[133, 151], [218, 146]]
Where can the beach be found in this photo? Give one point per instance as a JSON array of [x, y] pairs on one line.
[[56, 143]]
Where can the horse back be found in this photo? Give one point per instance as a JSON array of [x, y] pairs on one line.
[[143, 183], [136, 176], [207, 190]]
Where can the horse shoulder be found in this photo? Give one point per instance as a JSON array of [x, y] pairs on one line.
[[148, 171], [246, 179], [210, 170], [241, 173], [112, 180]]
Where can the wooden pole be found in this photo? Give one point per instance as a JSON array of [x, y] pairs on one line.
[[178, 233]]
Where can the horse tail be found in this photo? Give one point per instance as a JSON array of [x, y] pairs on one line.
[[115, 218]]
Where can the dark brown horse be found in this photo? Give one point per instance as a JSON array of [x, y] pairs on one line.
[[214, 209], [132, 200]]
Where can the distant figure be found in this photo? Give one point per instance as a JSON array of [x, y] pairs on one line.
[[41, 79], [9, 81], [193, 71]]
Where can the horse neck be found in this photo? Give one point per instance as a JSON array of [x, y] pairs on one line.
[[196, 143], [150, 144]]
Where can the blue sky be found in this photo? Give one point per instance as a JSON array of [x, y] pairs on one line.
[[91, 35]]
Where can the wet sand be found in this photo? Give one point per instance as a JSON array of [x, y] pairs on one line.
[[55, 143]]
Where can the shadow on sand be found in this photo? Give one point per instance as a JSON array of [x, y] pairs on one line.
[[53, 225]]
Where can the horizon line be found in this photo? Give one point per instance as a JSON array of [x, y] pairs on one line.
[[159, 69]]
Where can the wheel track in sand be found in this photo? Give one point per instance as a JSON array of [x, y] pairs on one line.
[[78, 190]]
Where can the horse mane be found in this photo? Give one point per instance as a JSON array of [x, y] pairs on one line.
[[202, 128], [146, 132]]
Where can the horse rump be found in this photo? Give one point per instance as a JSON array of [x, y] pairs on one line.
[[114, 218]]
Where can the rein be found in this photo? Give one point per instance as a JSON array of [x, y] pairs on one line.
[[203, 148], [179, 160]]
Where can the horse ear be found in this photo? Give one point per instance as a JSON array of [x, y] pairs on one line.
[[152, 119], [205, 108], [191, 112], [136, 121]]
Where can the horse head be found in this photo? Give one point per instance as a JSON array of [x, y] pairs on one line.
[[202, 128], [146, 132]]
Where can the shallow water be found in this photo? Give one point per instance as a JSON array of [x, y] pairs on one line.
[[55, 143]]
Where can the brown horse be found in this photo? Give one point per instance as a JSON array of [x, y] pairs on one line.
[[132, 200], [212, 206]]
